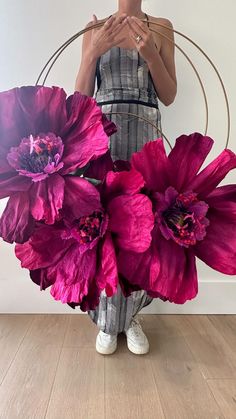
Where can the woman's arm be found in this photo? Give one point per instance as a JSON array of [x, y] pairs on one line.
[[162, 66], [85, 80]]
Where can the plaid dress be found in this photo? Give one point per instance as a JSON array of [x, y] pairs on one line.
[[125, 85]]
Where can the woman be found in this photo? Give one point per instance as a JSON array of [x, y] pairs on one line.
[[135, 68]]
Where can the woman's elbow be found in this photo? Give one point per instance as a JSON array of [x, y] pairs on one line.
[[168, 100]]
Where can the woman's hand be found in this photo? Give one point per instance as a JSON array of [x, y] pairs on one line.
[[102, 39], [146, 45]]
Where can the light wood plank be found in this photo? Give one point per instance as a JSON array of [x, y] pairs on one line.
[[226, 326], [130, 388], [52, 370], [183, 391], [13, 328], [78, 391], [163, 324], [214, 356], [225, 394], [26, 388], [81, 332], [47, 329]]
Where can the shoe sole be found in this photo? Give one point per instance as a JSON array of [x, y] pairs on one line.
[[137, 351], [101, 350]]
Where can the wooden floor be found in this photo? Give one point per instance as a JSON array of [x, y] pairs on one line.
[[49, 369]]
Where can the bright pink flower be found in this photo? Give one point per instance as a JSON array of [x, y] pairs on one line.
[[43, 137], [77, 255], [192, 218]]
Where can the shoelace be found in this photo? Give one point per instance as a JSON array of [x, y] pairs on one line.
[[107, 336], [135, 327]]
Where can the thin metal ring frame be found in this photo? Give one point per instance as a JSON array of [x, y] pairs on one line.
[[59, 51], [74, 37]]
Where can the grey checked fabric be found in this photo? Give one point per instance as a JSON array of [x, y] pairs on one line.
[[123, 74]]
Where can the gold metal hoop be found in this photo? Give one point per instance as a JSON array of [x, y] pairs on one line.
[[67, 43], [59, 51], [144, 119]]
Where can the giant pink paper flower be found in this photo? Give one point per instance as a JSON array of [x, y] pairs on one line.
[[77, 255], [43, 137], [192, 218]]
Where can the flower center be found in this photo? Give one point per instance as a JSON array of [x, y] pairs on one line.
[[181, 222], [36, 155], [183, 217], [89, 227]]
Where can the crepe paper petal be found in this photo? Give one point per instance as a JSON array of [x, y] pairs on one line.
[[16, 222], [46, 199], [131, 220]]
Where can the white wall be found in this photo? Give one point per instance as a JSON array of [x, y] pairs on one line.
[[30, 31]]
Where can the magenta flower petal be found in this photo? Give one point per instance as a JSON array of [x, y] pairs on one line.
[[89, 145], [43, 107], [107, 277], [43, 249], [100, 167], [192, 218], [152, 162], [109, 126], [5, 168], [84, 112], [12, 126], [122, 165], [39, 277], [207, 180], [139, 270], [73, 275], [223, 199], [46, 198], [131, 220], [184, 288], [171, 278], [121, 183], [218, 249], [26, 110], [81, 197], [85, 134], [91, 300], [187, 156], [177, 277], [16, 223], [13, 184]]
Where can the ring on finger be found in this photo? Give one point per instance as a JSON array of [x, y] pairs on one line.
[[138, 38]]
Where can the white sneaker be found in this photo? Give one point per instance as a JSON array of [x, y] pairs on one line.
[[106, 344], [137, 341]]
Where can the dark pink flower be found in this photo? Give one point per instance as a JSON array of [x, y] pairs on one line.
[[193, 217], [43, 137], [77, 255]]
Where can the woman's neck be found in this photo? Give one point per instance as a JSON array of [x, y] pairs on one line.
[[130, 7]]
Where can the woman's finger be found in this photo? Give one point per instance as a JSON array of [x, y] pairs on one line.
[[118, 28], [137, 26], [120, 40], [109, 22], [115, 28], [112, 21], [134, 33]]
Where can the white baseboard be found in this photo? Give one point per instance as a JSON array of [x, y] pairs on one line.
[[214, 297]]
